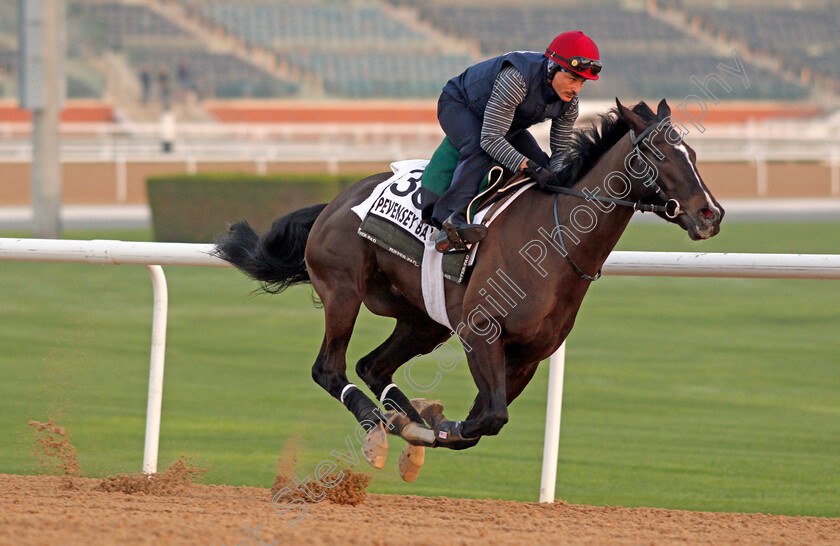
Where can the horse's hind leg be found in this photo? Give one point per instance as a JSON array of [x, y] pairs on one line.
[[329, 369], [413, 335], [337, 270]]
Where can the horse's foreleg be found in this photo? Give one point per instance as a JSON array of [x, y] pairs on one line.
[[517, 375], [489, 411]]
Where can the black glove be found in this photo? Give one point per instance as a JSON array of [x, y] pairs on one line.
[[543, 177]]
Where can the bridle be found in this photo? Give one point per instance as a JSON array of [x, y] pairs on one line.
[[671, 209]]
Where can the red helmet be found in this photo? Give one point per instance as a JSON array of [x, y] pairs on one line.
[[576, 52]]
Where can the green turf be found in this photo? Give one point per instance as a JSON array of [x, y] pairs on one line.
[[680, 393]]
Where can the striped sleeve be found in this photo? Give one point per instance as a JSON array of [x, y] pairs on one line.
[[509, 91], [561, 134]]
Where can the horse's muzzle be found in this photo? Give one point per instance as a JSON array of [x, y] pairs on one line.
[[703, 224]]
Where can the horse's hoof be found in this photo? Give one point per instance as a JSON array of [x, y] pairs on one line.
[[450, 434], [418, 403], [433, 414], [411, 461], [375, 446], [427, 410], [413, 433], [418, 434], [395, 421]]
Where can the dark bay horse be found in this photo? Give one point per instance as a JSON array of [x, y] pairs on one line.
[[530, 276]]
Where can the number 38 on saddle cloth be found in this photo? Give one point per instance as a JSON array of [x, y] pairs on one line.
[[391, 215]]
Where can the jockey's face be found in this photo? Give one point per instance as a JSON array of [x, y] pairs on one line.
[[567, 84]]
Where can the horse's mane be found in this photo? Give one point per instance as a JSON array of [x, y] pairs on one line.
[[589, 144]]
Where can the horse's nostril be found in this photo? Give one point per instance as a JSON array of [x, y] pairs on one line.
[[708, 214]]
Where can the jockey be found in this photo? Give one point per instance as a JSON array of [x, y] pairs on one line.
[[485, 112]]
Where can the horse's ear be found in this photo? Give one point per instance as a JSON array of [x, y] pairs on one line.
[[663, 110], [636, 122]]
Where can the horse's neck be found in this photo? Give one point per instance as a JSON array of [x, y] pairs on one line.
[[610, 220]]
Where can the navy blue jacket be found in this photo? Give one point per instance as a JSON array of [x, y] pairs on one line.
[[474, 86]]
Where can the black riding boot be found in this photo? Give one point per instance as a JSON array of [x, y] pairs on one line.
[[457, 233]]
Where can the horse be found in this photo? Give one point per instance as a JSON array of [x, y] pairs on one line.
[[519, 304]]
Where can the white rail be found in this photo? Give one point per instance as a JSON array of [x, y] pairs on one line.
[[378, 141], [154, 255], [674, 264], [108, 252], [752, 266]]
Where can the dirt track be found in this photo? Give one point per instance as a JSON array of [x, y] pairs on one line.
[[40, 510]]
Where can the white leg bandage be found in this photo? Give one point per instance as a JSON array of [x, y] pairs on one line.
[[385, 392], [345, 389]]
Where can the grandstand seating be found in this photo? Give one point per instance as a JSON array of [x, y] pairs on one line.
[[383, 74], [8, 60], [144, 37], [643, 57], [327, 26], [502, 29], [83, 80], [357, 51], [212, 74], [148, 38], [124, 22], [8, 17], [390, 48], [801, 37], [8, 69]]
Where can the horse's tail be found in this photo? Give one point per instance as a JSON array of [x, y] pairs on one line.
[[275, 258]]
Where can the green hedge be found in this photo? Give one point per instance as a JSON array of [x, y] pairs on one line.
[[195, 209]]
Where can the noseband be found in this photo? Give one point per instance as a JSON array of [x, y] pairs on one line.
[[671, 209]]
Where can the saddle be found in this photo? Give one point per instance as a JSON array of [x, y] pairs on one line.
[[502, 184], [391, 215], [437, 177]]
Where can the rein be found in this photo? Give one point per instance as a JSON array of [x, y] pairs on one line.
[[566, 254], [671, 209]]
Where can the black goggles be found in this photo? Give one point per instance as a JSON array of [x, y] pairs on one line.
[[578, 64]]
